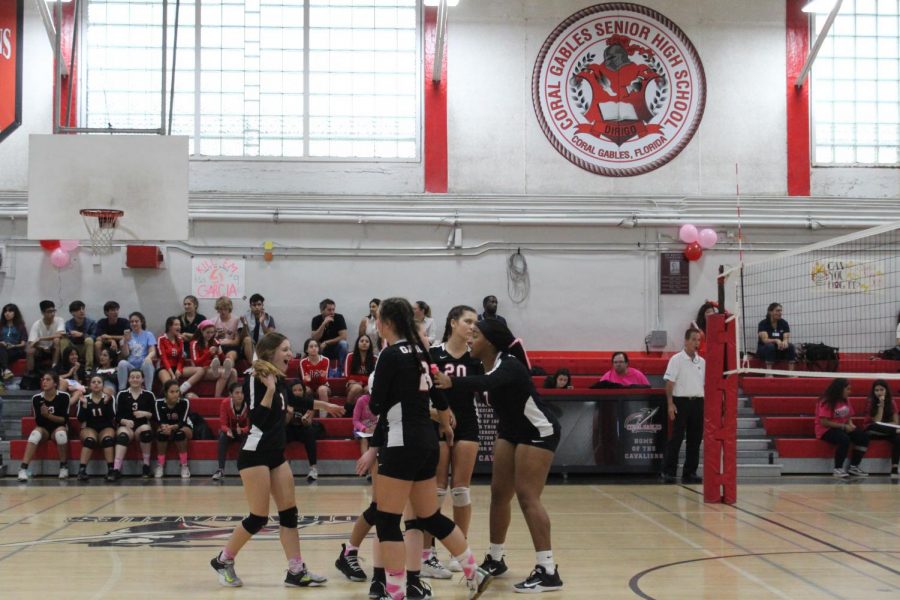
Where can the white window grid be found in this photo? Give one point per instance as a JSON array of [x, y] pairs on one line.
[[855, 87], [362, 73]]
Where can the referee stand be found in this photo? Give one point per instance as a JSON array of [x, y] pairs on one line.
[[720, 411]]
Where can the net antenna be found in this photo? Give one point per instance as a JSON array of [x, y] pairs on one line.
[[101, 225]]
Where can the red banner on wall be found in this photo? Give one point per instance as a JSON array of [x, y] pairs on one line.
[[11, 31]]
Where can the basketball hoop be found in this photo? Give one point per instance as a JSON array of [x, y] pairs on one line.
[[103, 228]]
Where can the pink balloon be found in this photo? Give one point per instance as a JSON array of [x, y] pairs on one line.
[[688, 234], [707, 238], [59, 258], [69, 245]]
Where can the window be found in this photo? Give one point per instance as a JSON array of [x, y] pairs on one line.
[[276, 78], [855, 88]]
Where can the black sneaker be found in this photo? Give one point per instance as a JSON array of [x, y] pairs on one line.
[[417, 590], [376, 590], [691, 479], [539, 581], [145, 472], [494, 567], [82, 475], [348, 564], [113, 475], [304, 579], [667, 478], [225, 570]]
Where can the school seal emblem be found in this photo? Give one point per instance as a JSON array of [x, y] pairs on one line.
[[618, 89]]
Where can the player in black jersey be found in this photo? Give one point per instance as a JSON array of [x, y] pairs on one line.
[[262, 466], [51, 417], [97, 416], [400, 392], [174, 423], [527, 437], [134, 407]]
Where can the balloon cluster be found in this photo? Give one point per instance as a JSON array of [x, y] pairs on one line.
[[59, 251], [697, 241]]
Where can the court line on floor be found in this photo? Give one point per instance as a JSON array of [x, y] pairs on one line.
[[810, 537], [841, 512], [58, 529], [720, 536], [21, 503], [691, 543], [26, 517]]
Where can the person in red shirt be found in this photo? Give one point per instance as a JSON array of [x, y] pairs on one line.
[[833, 424], [234, 424], [170, 346], [206, 360], [882, 411], [314, 370]]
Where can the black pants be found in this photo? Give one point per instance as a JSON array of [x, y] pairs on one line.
[[688, 417], [8, 355], [842, 440], [307, 435], [881, 432], [224, 441]]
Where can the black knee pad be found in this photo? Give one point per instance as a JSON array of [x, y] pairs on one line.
[[146, 436], [108, 442], [89, 442], [122, 439], [370, 514], [437, 525], [162, 437], [411, 524], [387, 525], [253, 523], [288, 518], [179, 435]]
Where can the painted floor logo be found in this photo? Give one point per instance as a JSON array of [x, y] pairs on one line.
[[618, 89]]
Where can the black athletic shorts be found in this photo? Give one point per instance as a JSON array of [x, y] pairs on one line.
[[465, 431], [408, 464], [226, 348], [549, 442], [258, 458]]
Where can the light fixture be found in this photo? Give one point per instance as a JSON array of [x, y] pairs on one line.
[[819, 6], [629, 223], [437, 2]]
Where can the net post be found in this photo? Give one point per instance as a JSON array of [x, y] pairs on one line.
[[720, 287], [720, 413]]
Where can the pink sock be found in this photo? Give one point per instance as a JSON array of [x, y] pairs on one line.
[[226, 555], [395, 584], [161, 459], [117, 464], [468, 564], [182, 458], [146, 456], [426, 554], [350, 548], [295, 565]]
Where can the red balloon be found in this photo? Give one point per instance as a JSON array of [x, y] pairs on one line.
[[693, 251], [50, 245]]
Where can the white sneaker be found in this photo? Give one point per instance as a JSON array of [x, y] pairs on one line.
[[218, 475], [478, 584], [454, 567], [185, 472], [313, 474], [840, 473], [434, 569], [64, 472], [159, 472], [855, 471], [23, 475]]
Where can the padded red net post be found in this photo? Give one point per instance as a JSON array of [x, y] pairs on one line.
[[720, 412]]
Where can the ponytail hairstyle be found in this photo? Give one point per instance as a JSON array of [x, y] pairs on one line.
[[501, 338], [888, 409], [423, 306], [398, 312], [834, 393], [454, 315]]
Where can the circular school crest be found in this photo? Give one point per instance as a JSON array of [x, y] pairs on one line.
[[618, 89]]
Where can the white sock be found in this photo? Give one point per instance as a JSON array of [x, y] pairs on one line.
[[545, 559], [184, 387], [496, 551]]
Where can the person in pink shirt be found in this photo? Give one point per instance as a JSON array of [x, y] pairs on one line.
[[833, 425], [881, 413], [363, 422], [624, 375]]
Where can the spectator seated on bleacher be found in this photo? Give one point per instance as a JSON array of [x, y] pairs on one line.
[[72, 374], [229, 332], [833, 425], [106, 369], [234, 424], [190, 320], [882, 411], [300, 427], [329, 329], [170, 347], [96, 414], [775, 339], [561, 380], [359, 365], [206, 360], [423, 320], [51, 417], [138, 351], [79, 334], [621, 375], [699, 323], [256, 323], [367, 325], [314, 369], [110, 331], [363, 422], [44, 337], [13, 339]]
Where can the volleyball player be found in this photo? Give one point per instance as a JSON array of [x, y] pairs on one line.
[[51, 418], [262, 466], [172, 415], [400, 395], [97, 416], [453, 358], [527, 436], [134, 407]]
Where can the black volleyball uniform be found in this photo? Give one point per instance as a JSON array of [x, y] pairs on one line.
[[265, 443], [400, 397], [462, 402], [178, 415], [58, 407], [522, 418], [127, 405], [97, 415]]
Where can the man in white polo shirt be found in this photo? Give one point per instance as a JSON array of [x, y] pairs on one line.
[[684, 378]]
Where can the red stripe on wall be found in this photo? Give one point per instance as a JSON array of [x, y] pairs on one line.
[[70, 81], [435, 143], [797, 28]]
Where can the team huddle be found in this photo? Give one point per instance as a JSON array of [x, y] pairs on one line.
[[424, 446]]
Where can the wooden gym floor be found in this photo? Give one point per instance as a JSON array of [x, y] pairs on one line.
[[788, 539]]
